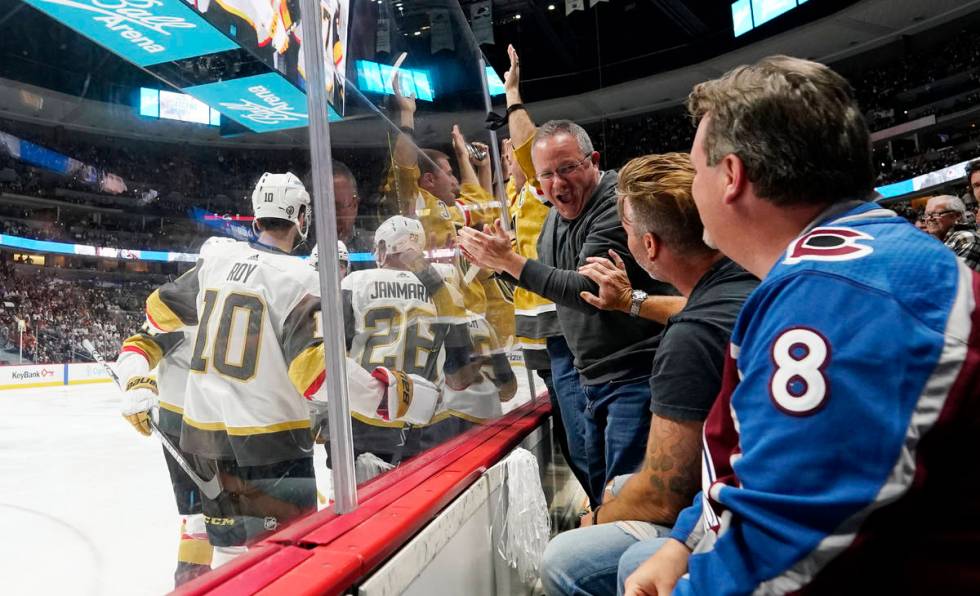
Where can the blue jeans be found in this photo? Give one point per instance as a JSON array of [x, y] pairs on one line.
[[635, 556], [571, 402], [588, 560], [617, 425]]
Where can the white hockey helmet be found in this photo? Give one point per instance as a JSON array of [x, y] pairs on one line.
[[342, 255], [400, 233], [212, 243], [282, 196]]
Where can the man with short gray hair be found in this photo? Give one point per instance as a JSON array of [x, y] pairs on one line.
[[944, 220], [605, 397]]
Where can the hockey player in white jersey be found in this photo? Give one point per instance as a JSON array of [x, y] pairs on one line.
[[253, 360], [171, 353], [409, 315]]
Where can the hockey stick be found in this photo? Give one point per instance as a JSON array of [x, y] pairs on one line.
[[210, 488]]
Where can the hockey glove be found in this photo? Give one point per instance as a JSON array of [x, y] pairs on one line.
[[503, 377], [407, 398], [140, 396]]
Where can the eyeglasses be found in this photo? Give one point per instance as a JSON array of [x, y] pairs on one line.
[[563, 171], [937, 214]]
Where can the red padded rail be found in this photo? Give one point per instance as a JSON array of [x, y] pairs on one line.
[[326, 553]]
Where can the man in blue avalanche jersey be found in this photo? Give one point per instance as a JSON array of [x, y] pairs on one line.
[[837, 457]]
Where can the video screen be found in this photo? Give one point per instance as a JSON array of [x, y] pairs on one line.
[[156, 103], [376, 78], [749, 14], [766, 10]]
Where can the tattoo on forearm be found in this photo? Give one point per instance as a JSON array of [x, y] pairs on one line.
[[673, 453]]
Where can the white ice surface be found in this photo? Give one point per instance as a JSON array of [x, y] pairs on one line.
[[86, 505]]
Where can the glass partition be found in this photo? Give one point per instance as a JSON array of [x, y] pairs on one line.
[[412, 166], [131, 133]]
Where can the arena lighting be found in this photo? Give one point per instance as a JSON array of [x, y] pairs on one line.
[[936, 178], [749, 14], [85, 250], [128, 254]]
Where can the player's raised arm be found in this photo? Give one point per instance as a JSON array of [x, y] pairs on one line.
[[406, 154], [467, 171]]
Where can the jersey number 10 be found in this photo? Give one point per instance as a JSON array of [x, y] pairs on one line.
[[235, 307]]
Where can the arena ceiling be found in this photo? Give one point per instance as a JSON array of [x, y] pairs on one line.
[[614, 59]]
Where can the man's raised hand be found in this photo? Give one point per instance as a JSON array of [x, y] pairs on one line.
[[404, 104], [512, 78], [491, 249]]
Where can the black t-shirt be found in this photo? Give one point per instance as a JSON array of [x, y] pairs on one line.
[[687, 369]]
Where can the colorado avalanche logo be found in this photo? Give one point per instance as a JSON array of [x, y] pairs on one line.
[[828, 244]]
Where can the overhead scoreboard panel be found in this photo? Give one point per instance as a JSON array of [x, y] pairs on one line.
[[144, 32]]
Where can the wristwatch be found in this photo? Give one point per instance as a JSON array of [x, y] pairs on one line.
[[636, 299]]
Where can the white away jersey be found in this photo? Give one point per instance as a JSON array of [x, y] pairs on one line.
[[258, 315], [391, 322]]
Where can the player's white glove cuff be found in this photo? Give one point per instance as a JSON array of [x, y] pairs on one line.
[[407, 398], [129, 365], [140, 396]]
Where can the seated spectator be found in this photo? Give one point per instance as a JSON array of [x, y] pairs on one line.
[[944, 220], [665, 237], [849, 394]]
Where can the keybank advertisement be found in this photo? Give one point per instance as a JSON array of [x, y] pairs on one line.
[[261, 103], [13, 377], [52, 375], [142, 31]]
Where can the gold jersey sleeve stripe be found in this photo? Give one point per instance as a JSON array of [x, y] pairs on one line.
[[160, 315], [306, 368]]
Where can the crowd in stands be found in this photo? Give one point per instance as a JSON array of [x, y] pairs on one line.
[[180, 235], [878, 88], [59, 314], [169, 179]]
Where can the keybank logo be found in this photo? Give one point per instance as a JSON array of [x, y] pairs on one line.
[[142, 31], [26, 375], [267, 108]]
